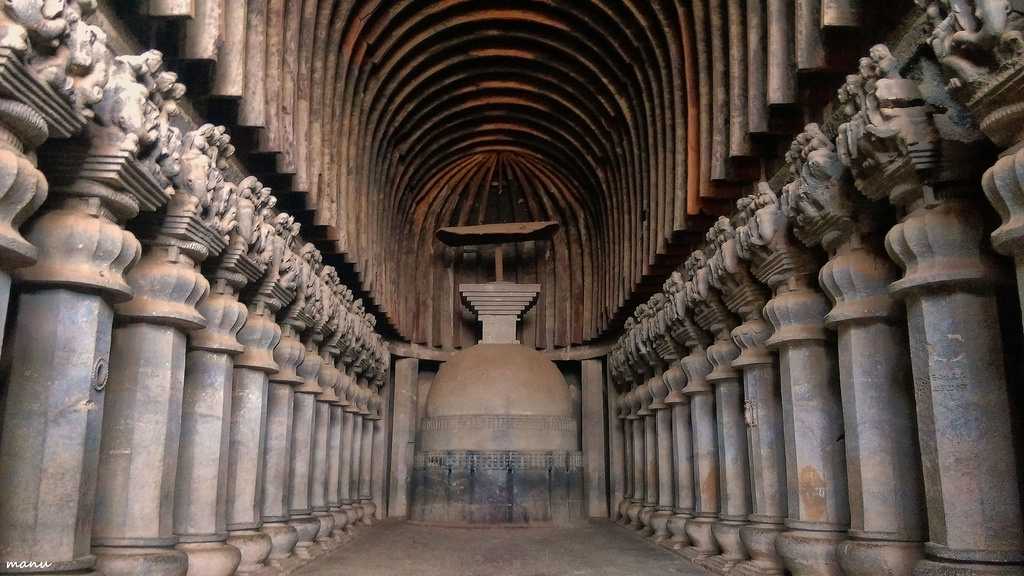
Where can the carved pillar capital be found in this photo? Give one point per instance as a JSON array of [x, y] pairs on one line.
[[857, 279], [1004, 186], [288, 354], [225, 316], [697, 368], [166, 289], [643, 399], [80, 245], [764, 240], [634, 404], [658, 390], [980, 45], [712, 315], [23, 187], [941, 246]]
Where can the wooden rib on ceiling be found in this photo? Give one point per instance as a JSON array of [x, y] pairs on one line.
[[414, 107], [391, 115]]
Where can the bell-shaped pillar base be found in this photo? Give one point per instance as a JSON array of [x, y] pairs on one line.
[[253, 547], [283, 538], [352, 515], [727, 534], [307, 527], [633, 514], [867, 557], [369, 510], [645, 521], [211, 558], [702, 540], [340, 523], [324, 536], [677, 531], [810, 553], [622, 512], [115, 561], [759, 541], [659, 523]]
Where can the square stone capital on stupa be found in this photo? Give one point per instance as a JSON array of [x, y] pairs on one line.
[[498, 306]]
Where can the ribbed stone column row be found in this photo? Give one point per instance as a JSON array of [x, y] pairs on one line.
[[855, 420], [153, 360]]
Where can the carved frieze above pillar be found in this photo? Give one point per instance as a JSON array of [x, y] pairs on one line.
[[980, 43]]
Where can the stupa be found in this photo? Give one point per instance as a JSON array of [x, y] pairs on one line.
[[499, 442]]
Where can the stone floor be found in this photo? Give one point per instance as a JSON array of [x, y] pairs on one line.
[[402, 549]]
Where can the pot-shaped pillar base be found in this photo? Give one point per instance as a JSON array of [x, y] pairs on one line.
[[677, 531], [307, 527], [326, 520], [659, 523], [352, 514], [645, 521], [810, 553], [759, 542], [622, 512], [633, 513], [369, 510], [727, 534], [211, 558], [868, 557], [253, 547], [282, 540], [702, 540], [340, 523], [115, 561]]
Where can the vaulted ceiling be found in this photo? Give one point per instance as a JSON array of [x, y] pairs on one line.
[[631, 122]]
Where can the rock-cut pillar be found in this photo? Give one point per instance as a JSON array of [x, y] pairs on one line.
[[766, 448], [682, 455], [813, 422], [705, 455], [60, 354], [330, 381], [278, 445], [304, 423], [348, 422], [247, 436], [321, 438], [733, 467], [366, 504], [887, 523], [974, 513], [761, 410], [646, 428], [356, 452], [200, 495], [663, 437], [134, 528], [635, 424], [626, 428]]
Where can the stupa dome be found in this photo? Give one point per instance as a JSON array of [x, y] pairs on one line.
[[499, 397]]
